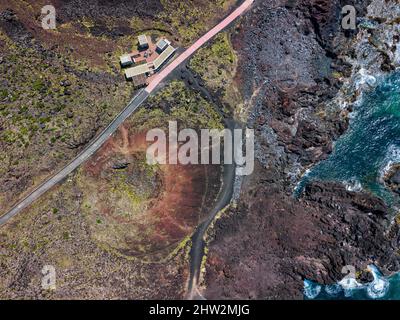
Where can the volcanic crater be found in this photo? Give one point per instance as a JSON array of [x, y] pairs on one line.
[[137, 209]]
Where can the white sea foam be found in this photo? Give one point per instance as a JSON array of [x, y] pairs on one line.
[[333, 289], [380, 286], [363, 79], [349, 286], [349, 283], [300, 183], [311, 290], [353, 185], [392, 157]]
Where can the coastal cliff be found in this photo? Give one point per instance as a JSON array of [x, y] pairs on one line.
[[308, 73]]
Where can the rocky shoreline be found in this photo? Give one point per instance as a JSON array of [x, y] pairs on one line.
[[308, 73]]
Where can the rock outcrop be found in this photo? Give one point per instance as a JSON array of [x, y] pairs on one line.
[[306, 74]]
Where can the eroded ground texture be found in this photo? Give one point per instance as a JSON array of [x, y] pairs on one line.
[[59, 88], [118, 227], [270, 241]]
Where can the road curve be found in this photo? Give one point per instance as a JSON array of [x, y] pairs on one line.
[[129, 109], [198, 244]]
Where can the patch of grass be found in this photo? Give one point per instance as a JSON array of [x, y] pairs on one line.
[[38, 85], [187, 107], [216, 65], [219, 56], [397, 219], [189, 18], [137, 24], [3, 93], [87, 22]]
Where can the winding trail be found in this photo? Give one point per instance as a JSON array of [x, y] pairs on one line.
[[198, 243], [133, 105], [222, 200]]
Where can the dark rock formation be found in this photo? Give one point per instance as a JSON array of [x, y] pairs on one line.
[[293, 53], [271, 242]]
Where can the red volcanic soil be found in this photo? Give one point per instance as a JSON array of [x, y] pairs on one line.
[[178, 199]]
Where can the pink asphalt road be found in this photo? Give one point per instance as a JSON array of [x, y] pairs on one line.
[[186, 54], [133, 105]]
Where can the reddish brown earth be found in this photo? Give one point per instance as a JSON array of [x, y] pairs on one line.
[[271, 242], [177, 197], [266, 246]]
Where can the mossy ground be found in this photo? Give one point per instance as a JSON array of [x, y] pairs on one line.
[[56, 93], [119, 204], [216, 64], [191, 18], [178, 103], [49, 112], [44, 236]]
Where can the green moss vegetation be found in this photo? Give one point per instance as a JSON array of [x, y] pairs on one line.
[[189, 18], [87, 22], [217, 64], [38, 85], [3, 93], [397, 219], [48, 110], [178, 103], [127, 197], [220, 55], [121, 199], [36, 239]]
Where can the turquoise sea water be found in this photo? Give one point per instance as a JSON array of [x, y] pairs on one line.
[[372, 141], [382, 288], [359, 159]]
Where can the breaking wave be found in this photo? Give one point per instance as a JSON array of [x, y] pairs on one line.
[[349, 288]]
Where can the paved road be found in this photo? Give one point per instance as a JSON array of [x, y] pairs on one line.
[[81, 158], [129, 109], [193, 48], [198, 244]]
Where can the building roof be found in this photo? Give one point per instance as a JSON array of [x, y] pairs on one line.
[[163, 57], [137, 70], [143, 40], [140, 80], [125, 59], [162, 44]]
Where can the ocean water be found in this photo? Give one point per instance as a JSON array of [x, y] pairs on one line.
[[359, 159], [372, 142], [382, 288]]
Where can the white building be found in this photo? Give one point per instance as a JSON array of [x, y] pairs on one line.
[[143, 41], [126, 60]]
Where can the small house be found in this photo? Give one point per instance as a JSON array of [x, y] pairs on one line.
[[143, 42], [162, 45], [139, 81], [126, 60]]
